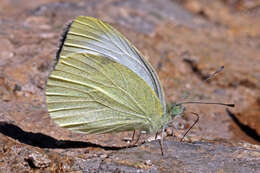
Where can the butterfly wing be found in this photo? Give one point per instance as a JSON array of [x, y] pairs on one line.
[[93, 94], [90, 35]]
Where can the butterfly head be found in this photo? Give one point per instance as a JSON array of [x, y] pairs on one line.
[[175, 109]]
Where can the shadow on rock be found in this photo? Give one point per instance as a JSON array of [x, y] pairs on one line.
[[247, 129], [44, 141]]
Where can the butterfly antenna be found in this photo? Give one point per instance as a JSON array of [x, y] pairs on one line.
[[197, 115], [214, 103], [214, 74], [208, 103], [208, 78]]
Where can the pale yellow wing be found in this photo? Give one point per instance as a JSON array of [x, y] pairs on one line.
[[93, 94], [91, 35]]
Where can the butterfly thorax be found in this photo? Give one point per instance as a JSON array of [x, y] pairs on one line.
[[172, 111], [158, 123]]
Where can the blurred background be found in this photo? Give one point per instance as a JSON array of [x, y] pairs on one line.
[[185, 41]]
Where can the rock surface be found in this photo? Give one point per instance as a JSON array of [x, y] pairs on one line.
[[184, 40]]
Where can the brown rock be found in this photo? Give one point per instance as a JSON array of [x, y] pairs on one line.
[[38, 160], [184, 40]]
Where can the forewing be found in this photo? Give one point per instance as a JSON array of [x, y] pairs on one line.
[[93, 94], [90, 35]]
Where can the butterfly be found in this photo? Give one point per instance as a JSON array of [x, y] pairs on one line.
[[102, 84]]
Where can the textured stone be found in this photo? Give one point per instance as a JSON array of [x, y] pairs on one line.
[[185, 41]]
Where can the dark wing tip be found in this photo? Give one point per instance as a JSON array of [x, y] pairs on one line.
[[231, 105], [61, 41]]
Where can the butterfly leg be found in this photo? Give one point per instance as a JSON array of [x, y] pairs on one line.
[[162, 142], [198, 117], [138, 137], [132, 140], [156, 135], [133, 136]]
